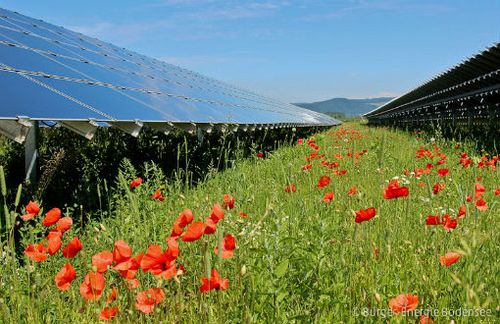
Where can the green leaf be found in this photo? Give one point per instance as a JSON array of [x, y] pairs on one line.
[[281, 269]]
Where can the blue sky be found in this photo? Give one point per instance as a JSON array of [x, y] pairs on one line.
[[296, 51]]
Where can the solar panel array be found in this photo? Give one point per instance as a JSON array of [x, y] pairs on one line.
[[49, 73], [468, 93]]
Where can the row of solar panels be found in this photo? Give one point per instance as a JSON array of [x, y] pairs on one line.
[[466, 93], [48, 73]]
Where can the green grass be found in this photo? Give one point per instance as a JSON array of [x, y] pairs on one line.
[[298, 259]]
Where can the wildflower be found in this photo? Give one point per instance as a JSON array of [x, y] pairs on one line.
[[323, 181], [136, 182], [228, 246], [73, 247], [112, 295], [481, 205], [462, 211], [215, 282], [439, 186], [479, 190], [363, 215], [403, 303], [128, 268], [51, 217], [217, 213], [210, 226], [102, 260], [244, 215], [108, 313], [157, 195], [121, 252], [64, 224], [193, 232], [259, 155], [449, 258], [424, 319], [65, 277], [352, 191], [32, 209], [146, 300], [92, 286], [328, 196], [54, 242], [227, 202], [449, 223], [394, 190], [184, 219], [290, 188], [159, 263], [442, 172], [36, 252], [497, 192], [433, 220]]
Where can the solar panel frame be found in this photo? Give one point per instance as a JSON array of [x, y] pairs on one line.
[[49, 73]]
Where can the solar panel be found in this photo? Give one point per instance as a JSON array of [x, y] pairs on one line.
[[49, 73]]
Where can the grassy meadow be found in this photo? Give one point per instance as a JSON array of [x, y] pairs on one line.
[[298, 258]]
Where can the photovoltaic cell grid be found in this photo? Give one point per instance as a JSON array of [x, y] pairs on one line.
[[48, 73], [468, 93]]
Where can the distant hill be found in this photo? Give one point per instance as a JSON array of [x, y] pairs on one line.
[[344, 106]]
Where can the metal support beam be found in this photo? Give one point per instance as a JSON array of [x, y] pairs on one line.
[[31, 154]]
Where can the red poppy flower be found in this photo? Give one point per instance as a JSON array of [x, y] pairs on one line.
[[36, 252], [157, 195], [307, 167], [242, 214], [32, 209], [108, 313], [442, 172], [102, 260], [363, 215], [217, 213], [403, 303], [468, 198], [228, 201], [54, 241], [65, 277], [439, 186], [112, 295], [260, 155], [210, 226], [462, 211], [481, 205], [52, 217], [323, 181], [185, 218], [146, 300], [193, 232], [228, 246], [394, 190], [424, 319], [92, 286], [479, 190], [132, 283], [328, 197], [64, 224], [497, 192], [290, 188], [433, 220], [352, 191], [136, 182], [300, 141], [121, 252], [128, 268], [215, 282], [73, 247], [449, 258], [449, 223], [159, 263]]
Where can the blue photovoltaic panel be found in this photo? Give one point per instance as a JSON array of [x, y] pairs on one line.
[[51, 73]]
